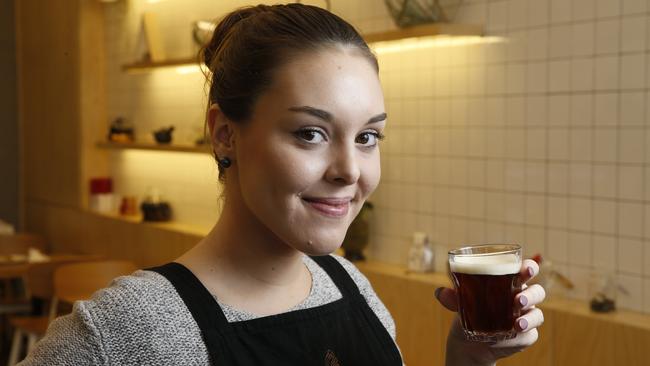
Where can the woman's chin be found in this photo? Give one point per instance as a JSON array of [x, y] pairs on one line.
[[317, 249]]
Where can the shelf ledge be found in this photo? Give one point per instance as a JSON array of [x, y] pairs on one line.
[[425, 30], [153, 147]]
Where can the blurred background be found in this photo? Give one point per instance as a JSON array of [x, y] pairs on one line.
[[509, 121]]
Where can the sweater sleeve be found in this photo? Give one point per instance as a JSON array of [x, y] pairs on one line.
[[70, 340]]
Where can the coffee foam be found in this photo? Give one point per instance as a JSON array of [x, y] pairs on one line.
[[486, 264]]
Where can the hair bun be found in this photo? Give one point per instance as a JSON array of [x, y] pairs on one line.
[[224, 30]]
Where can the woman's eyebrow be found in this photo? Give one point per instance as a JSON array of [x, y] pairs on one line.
[[327, 116]]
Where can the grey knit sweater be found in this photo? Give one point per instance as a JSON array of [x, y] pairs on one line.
[[141, 320]]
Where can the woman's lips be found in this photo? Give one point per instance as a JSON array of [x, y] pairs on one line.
[[333, 207]]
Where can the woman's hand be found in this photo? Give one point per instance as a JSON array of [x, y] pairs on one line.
[[463, 352]]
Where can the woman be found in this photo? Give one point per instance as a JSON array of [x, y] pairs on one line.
[[296, 113]]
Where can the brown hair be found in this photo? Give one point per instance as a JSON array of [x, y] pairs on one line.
[[248, 44]]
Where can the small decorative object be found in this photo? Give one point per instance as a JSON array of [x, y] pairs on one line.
[[150, 44], [128, 206], [554, 282], [201, 136], [6, 228], [202, 31], [356, 239], [420, 254], [102, 198], [163, 135], [120, 131], [407, 13], [603, 288], [153, 209]]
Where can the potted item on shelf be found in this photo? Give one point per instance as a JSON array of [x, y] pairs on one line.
[[154, 209], [202, 31], [357, 237], [120, 131], [408, 13], [163, 135]]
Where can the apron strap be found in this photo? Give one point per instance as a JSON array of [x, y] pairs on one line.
[[204, 308], [339, 275]]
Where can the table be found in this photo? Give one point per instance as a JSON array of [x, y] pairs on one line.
[[39, 274]]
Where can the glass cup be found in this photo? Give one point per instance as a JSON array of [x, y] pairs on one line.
[[486, 279]]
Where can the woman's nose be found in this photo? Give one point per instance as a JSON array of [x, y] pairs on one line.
[[344, 167]]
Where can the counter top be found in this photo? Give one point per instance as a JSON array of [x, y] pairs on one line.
[[565, 305]]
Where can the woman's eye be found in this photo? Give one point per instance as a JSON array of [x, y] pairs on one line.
[[311, 136], [369, 139]]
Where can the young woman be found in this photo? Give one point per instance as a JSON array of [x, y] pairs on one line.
[[296, 113]]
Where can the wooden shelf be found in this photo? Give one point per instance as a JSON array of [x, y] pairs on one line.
[[426, 30], [152, 146], [171, 226], [149, 65]]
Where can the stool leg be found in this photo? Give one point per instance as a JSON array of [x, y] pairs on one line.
[[31, 341], [15, 347]]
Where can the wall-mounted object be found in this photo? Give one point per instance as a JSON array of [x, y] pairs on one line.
[[418, 31]]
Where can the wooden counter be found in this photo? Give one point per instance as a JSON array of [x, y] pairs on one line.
[[571, 335]]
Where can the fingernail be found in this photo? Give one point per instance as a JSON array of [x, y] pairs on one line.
[[523, 323], [437, 292], [523, 300], [530, 271]]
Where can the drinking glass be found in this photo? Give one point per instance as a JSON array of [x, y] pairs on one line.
[[486, 279]]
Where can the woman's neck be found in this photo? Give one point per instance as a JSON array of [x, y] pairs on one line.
[[247, 266]]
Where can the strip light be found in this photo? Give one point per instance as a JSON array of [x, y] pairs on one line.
[[432, 42]]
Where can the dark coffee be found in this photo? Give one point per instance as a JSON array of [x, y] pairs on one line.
[[486, 284], [486, 302]]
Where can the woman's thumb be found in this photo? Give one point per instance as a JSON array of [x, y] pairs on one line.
[[447, 297]]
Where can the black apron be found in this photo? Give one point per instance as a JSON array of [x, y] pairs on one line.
[[345, 332]]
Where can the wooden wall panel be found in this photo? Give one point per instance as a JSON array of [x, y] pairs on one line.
[[571, 335], [419, 319], [541, 353], [93, 122], [579, 340], [48, 90], [631, 345], [71, 230]]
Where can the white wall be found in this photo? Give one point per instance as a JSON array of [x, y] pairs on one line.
[[540, 139]]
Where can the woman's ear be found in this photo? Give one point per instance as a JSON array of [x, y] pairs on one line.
[[222, 133]]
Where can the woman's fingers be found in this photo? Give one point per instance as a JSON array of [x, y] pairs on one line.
[[529, 269], [521, 341], [530, 296], [531, 320], [447, 297]]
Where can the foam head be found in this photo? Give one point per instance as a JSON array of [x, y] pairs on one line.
[[486, 264]]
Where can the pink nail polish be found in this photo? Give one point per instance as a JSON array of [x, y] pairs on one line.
[[523, 323], [523, 300], [530, 272]]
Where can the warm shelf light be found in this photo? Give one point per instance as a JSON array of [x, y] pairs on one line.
[[189, 69], [431, 42]]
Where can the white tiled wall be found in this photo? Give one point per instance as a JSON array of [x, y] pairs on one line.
[[540, 139]]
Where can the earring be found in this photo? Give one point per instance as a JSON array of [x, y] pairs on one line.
[[225, 162]]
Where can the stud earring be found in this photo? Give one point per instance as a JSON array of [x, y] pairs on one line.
[[225, 162]]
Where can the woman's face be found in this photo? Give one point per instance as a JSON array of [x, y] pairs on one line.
[[309, 157]]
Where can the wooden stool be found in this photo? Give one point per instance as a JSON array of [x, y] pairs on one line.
[[72, 282]]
